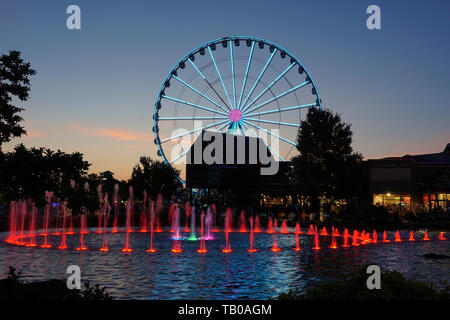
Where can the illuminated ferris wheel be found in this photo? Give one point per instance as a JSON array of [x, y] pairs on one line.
[[237, 85]]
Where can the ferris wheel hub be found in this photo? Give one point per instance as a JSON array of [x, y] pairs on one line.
[[235, 115]]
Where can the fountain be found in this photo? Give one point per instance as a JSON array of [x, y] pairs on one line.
[[257, 224], [143, 217], [411, 236], [152, 222], [355, 238], [270, 226], [193, 236], [209, 220], [374, 237], [441, 236], [275, 246], [333, 244], [242, 224], [48, 198], [187, 211], [202, 248], [159, 207], [252, 249], [425, 237], [83, 231], [346, 235], [105, 212], [284, 228], [310, 230], [116, 209], [397, 237], [176, 248], [316, 240], [385, 239], [227, 228], [298, 231], [63, 244], [128, 220]]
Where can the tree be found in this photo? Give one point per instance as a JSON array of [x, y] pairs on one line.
[[28, 173], [327, 165], [154, 177], [14, 83]]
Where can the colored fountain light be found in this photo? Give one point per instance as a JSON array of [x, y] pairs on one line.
[[324, 232], [397, 237], [310, 230], [193, 235], [252, 249], [425, 237], [209, 222], [202, 248], [316, 240], [187, 212], [275, 246], [333, 244], [374, 237], [270, 226], [284, 228], [355, 238], [152, 222], [385, 239], [176, 247], [242, 224], [227, 228], [441, 236], [105, 210], [411, 236], [143, 216], [235, 115], [257, 224], [129, 209]]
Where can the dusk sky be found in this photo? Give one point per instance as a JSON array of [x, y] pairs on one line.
[[95, 88]]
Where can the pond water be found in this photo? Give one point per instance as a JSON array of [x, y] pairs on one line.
[[216, 275]]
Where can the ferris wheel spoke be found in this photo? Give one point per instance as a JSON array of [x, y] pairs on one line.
[[192, 118], [220, 77], [232, 74], [209, 84], [282, 109], [268, 87], [271, 133], [275, 122], [193, 105], [242, 130], [179, 156], [277, 96], [259, 77], [223, 126], [246, 74], [192, 131], [198, 92], [257, 136]]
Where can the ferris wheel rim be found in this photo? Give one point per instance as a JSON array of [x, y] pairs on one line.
[[207, 45]]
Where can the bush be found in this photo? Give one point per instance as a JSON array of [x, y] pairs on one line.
[[393, 287]]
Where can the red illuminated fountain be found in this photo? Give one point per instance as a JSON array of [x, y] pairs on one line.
[[83, 231], [252, 249], [275, 246], [346, 235], [48, 197], [441, 236], [355, 238], [257, 224], [106, 209], [284, 228], [311, 230], [316, 239], [374, 237], [202, 248], [324, 232], [209, 222], [187, 212], [298, 231], [63, 244], [128, 221], [425, 237], [116, 209], [411, 236], [227, 229], [333, 244], [397, 237], [100, 212], [242, 223], [176, 248], [152, 222], [159, 207], [32, 242], [143, 218], [270, 226], [385, 239]]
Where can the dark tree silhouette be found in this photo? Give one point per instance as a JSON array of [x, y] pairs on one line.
[[14, 83], [154, 177], [327, 165]]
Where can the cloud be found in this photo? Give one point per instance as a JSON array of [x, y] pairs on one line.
[[31, 134], [112, 133]]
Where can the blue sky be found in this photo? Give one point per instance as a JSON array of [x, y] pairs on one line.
[[95, 87]]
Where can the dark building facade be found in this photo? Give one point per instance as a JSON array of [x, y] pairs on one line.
[[242, 171], [412, 182]]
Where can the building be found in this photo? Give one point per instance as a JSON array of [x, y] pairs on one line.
[[411, 183], [237, 168]]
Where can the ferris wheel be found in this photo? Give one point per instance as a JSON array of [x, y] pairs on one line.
[[236, 85]]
